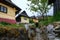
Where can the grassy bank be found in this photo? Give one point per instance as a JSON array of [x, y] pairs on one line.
[[4, 24]]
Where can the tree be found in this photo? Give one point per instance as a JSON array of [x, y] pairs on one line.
[[57, 15], [40, 6]]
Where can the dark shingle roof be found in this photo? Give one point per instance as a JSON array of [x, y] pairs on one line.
[[24, 14], [10, 3], [33, 17]]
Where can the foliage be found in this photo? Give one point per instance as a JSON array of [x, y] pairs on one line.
[[46, 22], [16, 26], [57, 16], [50, 19], [31, 21], [4, 23], [9, 32], [40, 6]]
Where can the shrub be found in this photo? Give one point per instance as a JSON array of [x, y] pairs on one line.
[[10, 33], [56, 16], [3, 32]]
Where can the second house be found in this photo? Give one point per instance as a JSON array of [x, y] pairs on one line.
[[22, 18]]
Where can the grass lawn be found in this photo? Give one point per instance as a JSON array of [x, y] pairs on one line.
[[11, 25]]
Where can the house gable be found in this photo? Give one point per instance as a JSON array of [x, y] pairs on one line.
[[23, 17], [24, 14]]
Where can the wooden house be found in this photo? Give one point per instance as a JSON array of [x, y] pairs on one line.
[[23, 17], [34, 19], [7, 11]]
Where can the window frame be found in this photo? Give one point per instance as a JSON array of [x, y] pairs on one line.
[[25, 18], [3, 9]]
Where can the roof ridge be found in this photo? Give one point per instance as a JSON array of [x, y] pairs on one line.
[[24, 12]]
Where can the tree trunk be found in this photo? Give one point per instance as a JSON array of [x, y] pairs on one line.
[[46, 17], [43, 16]]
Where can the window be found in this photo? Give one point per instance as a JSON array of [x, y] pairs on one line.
[[3, 9], [25, 18]]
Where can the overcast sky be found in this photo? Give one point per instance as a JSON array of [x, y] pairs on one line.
[[23, 5]]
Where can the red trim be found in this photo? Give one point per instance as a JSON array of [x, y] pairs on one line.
[[7, 20]]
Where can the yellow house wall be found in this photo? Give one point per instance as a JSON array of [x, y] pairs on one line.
[[24, 21], [35, 20], [10, 12]]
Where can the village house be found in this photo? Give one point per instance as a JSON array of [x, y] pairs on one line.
[[7, 11], [22, 17], [34, 19]]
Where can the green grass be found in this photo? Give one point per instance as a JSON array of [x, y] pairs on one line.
[[4, 24], [48, 21], [57, 15]]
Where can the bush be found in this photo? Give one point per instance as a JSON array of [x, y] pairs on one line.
[[10, 32], [13, 32], [56, 16], [2, 31]]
